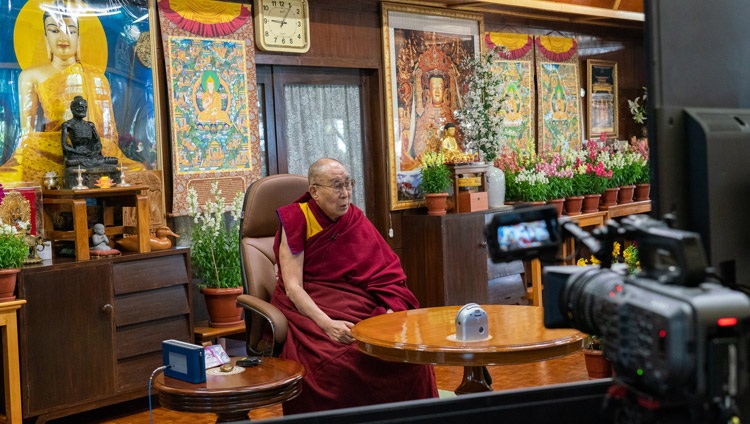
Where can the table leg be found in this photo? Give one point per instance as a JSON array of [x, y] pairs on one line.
[[80, 226], [473, 381], [232, 417]]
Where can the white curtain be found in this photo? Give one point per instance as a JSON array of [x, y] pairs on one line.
[[325, 121]]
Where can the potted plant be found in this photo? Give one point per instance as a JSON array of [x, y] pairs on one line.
[[436, 179], [215, 255], [13, 250], [597, 364]]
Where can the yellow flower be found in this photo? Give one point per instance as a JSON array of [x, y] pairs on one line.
[[615, 249], [595, 261], [582, 262]]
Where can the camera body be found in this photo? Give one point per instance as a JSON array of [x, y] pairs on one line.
[[670, 333]]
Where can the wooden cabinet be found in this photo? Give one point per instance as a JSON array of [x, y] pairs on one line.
[[445, 259], [91, 332]]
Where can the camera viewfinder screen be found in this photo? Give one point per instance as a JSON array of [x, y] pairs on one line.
[[523, 235]]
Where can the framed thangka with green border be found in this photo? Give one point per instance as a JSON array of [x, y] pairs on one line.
[[558, 86], [517, 67], [56, 50]]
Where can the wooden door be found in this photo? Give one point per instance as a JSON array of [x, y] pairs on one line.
[[66, 335]]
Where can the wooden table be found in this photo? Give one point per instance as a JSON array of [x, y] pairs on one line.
[[427, 336], [11, 367], [75, 201], [231, 397]]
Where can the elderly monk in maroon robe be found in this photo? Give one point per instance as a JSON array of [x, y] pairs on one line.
[[336, 270]]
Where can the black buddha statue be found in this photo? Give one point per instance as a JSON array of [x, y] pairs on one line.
[[82, 148]]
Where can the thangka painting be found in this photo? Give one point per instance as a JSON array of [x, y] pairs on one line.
[[559, 126], [55, 50], [212, 96], [517, 67], [423, 52]]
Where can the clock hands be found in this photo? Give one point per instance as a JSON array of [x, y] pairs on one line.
[[283, 21]]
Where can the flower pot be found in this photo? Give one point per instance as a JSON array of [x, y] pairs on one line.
[[626, 194], [642, 192], [609, 197], [558, 204], [597, 364], [8, 278], [222, 306], [436, 203], [590, 203], [573, 205]]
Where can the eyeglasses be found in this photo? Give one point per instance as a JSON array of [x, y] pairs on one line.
[[339, 187]]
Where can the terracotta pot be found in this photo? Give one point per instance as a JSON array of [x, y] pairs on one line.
[[8, 278], [558, 204], [609, 197], [642, 192], [573, 205], [591, 203], [626, 194], [222, 306], [596, 364], [436, 203]]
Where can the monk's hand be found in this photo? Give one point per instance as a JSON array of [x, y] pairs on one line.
[[340, 331]]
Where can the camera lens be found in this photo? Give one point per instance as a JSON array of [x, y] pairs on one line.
[[587, 299]]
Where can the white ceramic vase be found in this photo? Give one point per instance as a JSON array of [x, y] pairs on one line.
[[495, 187]]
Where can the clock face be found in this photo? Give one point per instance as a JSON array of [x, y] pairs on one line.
[[282, 25]]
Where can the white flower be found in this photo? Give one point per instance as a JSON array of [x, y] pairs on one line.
[[481, 115]]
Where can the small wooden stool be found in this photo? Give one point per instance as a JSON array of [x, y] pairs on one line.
[[75, 201]]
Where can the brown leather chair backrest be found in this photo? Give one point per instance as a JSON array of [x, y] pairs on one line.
[[258, 227]]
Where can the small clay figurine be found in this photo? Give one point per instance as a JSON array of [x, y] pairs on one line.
[[100, 243]]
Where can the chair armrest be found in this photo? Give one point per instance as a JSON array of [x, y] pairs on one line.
[[269, 312]]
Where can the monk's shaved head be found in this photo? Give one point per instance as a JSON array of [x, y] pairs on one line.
[[319, 172]]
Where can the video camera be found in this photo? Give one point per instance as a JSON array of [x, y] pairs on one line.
[[677, 341]]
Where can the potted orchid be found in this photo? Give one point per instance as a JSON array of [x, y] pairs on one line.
[[215, 254]]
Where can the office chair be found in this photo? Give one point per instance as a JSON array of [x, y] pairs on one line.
[[266, 325]]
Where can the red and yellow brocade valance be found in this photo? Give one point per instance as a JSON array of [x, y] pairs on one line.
[[207, 18], [516, 45], [557, 49]]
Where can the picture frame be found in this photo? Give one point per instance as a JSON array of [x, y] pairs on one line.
[[116, 53], [422, 48], [602, 104]]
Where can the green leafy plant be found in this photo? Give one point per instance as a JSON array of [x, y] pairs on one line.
[[13, 248], [532, 185], [215, 250], [436, 177], [481, 116]]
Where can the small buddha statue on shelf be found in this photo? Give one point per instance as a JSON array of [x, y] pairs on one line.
[[450, 149], [82, 147]]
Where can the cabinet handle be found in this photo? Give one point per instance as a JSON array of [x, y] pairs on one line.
[[107, 309]]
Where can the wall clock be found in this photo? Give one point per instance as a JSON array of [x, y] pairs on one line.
[[282, 25]]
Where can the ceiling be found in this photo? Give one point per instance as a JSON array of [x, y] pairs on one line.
[[619, 13]]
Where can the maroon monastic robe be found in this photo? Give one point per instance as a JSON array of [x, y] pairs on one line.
[[351, 273]]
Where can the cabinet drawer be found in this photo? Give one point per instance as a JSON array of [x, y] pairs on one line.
[[150, 274], [134, 373], [147, 338], [151, 305]]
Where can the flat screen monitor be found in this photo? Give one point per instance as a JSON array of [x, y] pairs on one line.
[[699, 88]]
